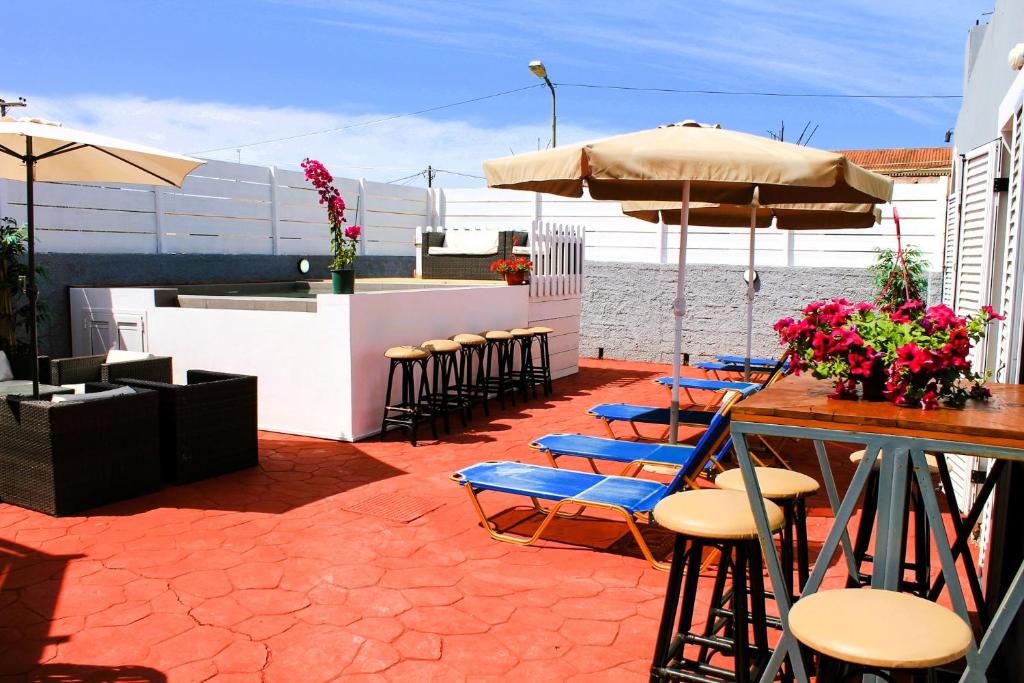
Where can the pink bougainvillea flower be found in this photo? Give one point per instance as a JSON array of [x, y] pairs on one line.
[[353, 231]]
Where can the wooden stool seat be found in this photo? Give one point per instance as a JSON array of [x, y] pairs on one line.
[[406, 353], [469, 339], [776, 483], [879, 628], [540, 329], [441, 345], [520, 332], [713, 513], [933, 465], [497, 335]]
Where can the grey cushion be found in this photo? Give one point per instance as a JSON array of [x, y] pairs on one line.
[[81, 398]]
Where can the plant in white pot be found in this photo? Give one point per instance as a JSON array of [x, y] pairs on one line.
[[344, 241]]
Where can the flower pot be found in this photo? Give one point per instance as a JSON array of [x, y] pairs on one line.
[[343, 281], [517, 277], [873, 388]]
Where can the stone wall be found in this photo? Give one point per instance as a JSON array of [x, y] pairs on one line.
[[627, 307], [70, 270]]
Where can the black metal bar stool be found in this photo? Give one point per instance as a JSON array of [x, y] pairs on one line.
[[788, 490], [474, 388], [913, 516], [540, 333], [414, 407], [858, 631], [710, 518], [446, 395], [498, 365], [522, 346]]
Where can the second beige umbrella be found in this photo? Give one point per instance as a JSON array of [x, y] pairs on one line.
[[785, 217]]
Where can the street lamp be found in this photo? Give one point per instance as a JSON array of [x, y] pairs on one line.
[[537, 67]]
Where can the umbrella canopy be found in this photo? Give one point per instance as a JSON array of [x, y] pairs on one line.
[[723, 166], [69, 155], [33, 149], [787, 216], [687, 161]]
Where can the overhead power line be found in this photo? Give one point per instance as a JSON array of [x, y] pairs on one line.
[[757, 93], [372, 122]]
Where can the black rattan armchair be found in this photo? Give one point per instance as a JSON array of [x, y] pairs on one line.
[[96, 369], [465, 266], [207, 427], [62, 458]]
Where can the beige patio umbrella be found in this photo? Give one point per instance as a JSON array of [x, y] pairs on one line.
[[784, 217], [685, 161], [34, 149]]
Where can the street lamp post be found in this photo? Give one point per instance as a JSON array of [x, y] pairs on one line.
[[537, 67]]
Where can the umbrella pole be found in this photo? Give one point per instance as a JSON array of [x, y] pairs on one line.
[[30, 290], [678, 309], [750, 294]]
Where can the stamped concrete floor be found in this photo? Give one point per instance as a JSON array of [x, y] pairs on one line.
[[341, 562]]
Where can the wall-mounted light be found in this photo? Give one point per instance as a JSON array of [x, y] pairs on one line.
[[749, 275], [948, 136], [303, 266]]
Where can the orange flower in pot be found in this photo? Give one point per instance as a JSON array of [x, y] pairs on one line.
[[515, 269]]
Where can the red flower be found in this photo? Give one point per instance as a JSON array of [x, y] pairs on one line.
[[913, 357], [991, 313], [353, 231]]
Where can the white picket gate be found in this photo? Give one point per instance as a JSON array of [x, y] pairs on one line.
[[557, 254]]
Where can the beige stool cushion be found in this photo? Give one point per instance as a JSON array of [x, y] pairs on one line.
[[713, 513], [540, 329], [406, 353], [469, 339], [441, 345], [879, 628], [497, 335], [933, 463], [520, 332], [776, 483]]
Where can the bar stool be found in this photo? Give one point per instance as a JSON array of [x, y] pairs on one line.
[[474, 388], [498, 365], [913, 515], [522, 346], [446, 379], [704, 518], [540, 333], [857, 631], [414, 408], [788, 490]]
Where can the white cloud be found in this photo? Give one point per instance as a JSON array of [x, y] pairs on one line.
[[385, 151]]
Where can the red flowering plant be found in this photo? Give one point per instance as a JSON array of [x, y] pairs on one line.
[[912, 356], [343, 240], [519, 264]]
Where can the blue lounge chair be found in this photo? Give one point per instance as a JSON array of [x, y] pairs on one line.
[[768, 363], [609, 413], [633, 499]]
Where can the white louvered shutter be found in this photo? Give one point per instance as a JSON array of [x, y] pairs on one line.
[[1008, 341], [952, 242], [973, 284]]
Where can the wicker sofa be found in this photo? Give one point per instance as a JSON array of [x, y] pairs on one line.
[[62, 458], [466, 266], [96, 369], [208, 426]]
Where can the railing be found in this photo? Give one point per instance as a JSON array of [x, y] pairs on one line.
[[557, 254]]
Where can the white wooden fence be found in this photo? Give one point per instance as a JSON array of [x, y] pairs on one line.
[[222, 208], [237, 208]]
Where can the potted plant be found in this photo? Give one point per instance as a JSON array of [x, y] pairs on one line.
[[14, 319], [912, 356], [344, 241], [515, 269]]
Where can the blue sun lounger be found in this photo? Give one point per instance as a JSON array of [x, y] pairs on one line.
[[633, 499], [708, 384], [610, 413], [633, 454]]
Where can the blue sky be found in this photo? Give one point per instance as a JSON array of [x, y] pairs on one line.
[[193, 75]]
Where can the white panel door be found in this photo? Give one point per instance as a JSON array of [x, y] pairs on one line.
[[951, 244], [1008, 340]]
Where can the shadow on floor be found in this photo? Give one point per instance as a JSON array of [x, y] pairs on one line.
[[81, 673]]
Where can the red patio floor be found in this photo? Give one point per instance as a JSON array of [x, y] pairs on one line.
[[339, 562]]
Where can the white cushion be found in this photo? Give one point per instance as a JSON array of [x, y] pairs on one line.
[[468, 243], [5, 368], [77, 388], [119, 356], [82, 398], [521, 251]]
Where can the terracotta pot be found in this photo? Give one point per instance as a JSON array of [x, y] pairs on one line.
[[517, 277]]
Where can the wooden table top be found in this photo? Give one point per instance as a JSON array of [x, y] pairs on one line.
[[803, 401]]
